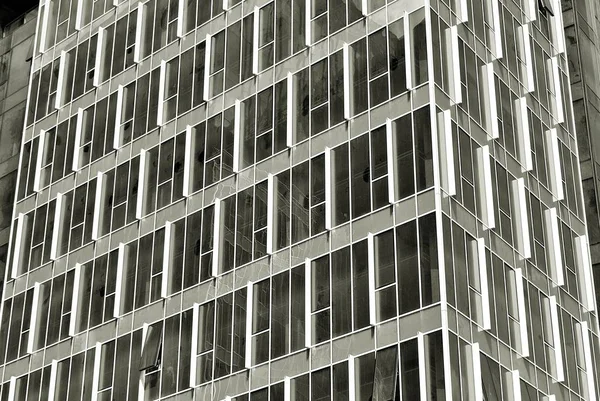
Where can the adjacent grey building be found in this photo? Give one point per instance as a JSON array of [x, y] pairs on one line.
[[299, 200]]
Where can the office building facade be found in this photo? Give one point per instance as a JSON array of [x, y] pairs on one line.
[[294, 200]]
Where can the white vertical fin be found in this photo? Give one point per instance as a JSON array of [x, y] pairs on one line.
[[33, 321], [521, 217], [96, 374], [554, 159], [75, 300], [207, 65], [522, 316], [408, 52], [61, 86], [307, 23], [139, 29], [77, 145], [166, 271], [16, 260], [485, 187], [217, 238], [491, 105], [194, 345], [180, 17], [249, 313], [371, 278], [119, 280], [255, 40], [348, 98], [237, 137], [558, 95], [291, 112], [58, 223], [486, 323], [554, 251], [118, 114], [100, 184], [524, 136], [589, 366], [526, 55], [98, 64], [307, 303], [584, 268], [271, 210], [454, 67], [38, 162], [141, 195], [53, 374], [187, 163], [160, 117], [329, 188], [390, 139], [423, 366], [558, 360]]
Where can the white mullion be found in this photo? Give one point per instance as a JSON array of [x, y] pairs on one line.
[[447, 155], [139, 29], [164, 288], [77, 145], [371, 278], [79, 15], [255, 39], [530, 9], [491, 105], [291, 111], [525, 134], [237, 135], [75, 300], [514, 385], [188, 161], [555, 254], [100, 184], [476, 372], [522, 316], [558, 360], [33, 321], [194, 346], [497, 31], [307, 23], [249, 313], [287, 389], [44, 33], [586, 279], [53, 374], [483, 280], [558, 96], [118, 114], [207, 58], [271, 210], [408, 52], [12, 388], [589, 366], [485, 187], [181, 15], [141, 196], [454, 61], [60, 82], [329, 188], [98, 61], [307, 304], [58, 214], [391, 160], [38, 161], [525, 35], [351, 378], [18, 245], [161, 93], [521, 217], [348, 87], [119, 280], [217, 238], [558, 30], [96, 374], [364, 7], [463, 13], [423, 366], [553, 155]]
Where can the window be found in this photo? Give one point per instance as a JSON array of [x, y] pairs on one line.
[[96, 297], [119, 43], [222, 341], [36, 239], [97, 131], [119, 196], [164, 178], [76, 217], [54, 310], [18, 309], [278, 313], [57, 153]]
